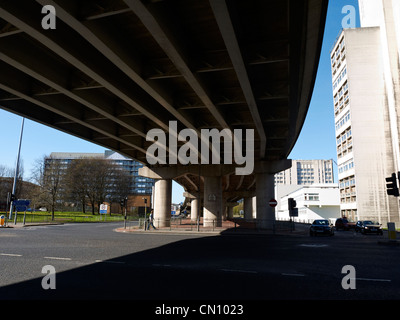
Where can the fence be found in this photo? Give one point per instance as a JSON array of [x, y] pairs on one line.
[[202, 225]]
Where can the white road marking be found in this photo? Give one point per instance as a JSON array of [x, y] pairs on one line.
[[57, 258], [293, 274], [11, 254], [108, 261], [313, 245], [367, 279], [234, 270]]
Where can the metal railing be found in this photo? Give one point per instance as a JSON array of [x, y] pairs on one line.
[[202, 225]]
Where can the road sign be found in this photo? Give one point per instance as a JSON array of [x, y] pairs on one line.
[[273, 203], [21, 205], [103, 208]]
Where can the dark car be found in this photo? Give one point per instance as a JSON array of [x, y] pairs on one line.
[[367, 226], [344, 224], [321, 226]]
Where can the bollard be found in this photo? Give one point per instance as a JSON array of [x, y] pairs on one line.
[[2, 221], [391, 231]]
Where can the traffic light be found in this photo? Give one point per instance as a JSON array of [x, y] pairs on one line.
[[123, 202], [391, 187], [291, 203]]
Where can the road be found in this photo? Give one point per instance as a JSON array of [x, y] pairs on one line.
[[92, 261]]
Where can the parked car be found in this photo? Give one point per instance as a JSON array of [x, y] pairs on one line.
[[344, 224], [367, 226], [321, 226]]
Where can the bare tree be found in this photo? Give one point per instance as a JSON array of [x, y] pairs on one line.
[[121, 185], [48, 174], [98, 179], [7, 181], [75, 183]]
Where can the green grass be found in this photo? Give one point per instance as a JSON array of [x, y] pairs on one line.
[[66, 217]]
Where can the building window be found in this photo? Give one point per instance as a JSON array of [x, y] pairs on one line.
[[311, 196]]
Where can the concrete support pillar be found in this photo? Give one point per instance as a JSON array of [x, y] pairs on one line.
[[194, 209], [224, 209], [248, 208], [254, 207], [264, 192], [230, 212], [162, 202], [212, 201]]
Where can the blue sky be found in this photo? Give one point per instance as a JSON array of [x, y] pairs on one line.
[[316, 141]]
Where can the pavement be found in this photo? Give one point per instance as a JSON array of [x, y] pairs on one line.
[[185, 226]]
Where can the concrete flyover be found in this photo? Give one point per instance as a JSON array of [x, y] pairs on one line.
[[112, 70]]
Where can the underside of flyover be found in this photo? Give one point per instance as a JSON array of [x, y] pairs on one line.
[[112, 70]]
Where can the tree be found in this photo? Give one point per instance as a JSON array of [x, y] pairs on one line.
[[75, 183], [7, 181], [121, 181], [48, 174], [98, 179]]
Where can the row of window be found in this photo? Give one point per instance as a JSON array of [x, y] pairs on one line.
[[338, 53], [342, 121], [339, 78], [344, 136], [347, 182], [349, 164], [311, 196]]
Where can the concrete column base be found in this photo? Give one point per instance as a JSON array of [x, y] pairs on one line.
[[162, 203], [248, 208], [212, 202], [265, 214], [194, 209]]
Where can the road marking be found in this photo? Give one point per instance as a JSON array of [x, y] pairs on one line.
[[234, 270], [11, 254], [293, 274], [160, 265], [313, 245], [57, 258], [109, 261], [367, 279]]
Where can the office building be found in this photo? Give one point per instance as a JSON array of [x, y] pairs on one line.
[[139, 185], [306, 172], [365, 83]]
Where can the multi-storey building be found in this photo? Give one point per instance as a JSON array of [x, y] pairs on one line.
[[306, 172], [139, 185], [365, 83]]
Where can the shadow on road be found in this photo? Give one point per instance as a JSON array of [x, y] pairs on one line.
[[198, 268]]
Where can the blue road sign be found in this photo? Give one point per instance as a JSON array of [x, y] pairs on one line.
[[21, 205]]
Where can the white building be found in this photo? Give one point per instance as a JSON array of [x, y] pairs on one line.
[[139, 185], [318, 201], [366, 96], [305, 172]]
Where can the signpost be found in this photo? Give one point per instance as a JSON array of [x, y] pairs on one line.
[[103, 208], [19, 206]]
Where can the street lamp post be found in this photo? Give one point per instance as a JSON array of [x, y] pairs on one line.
[[16, 169]]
